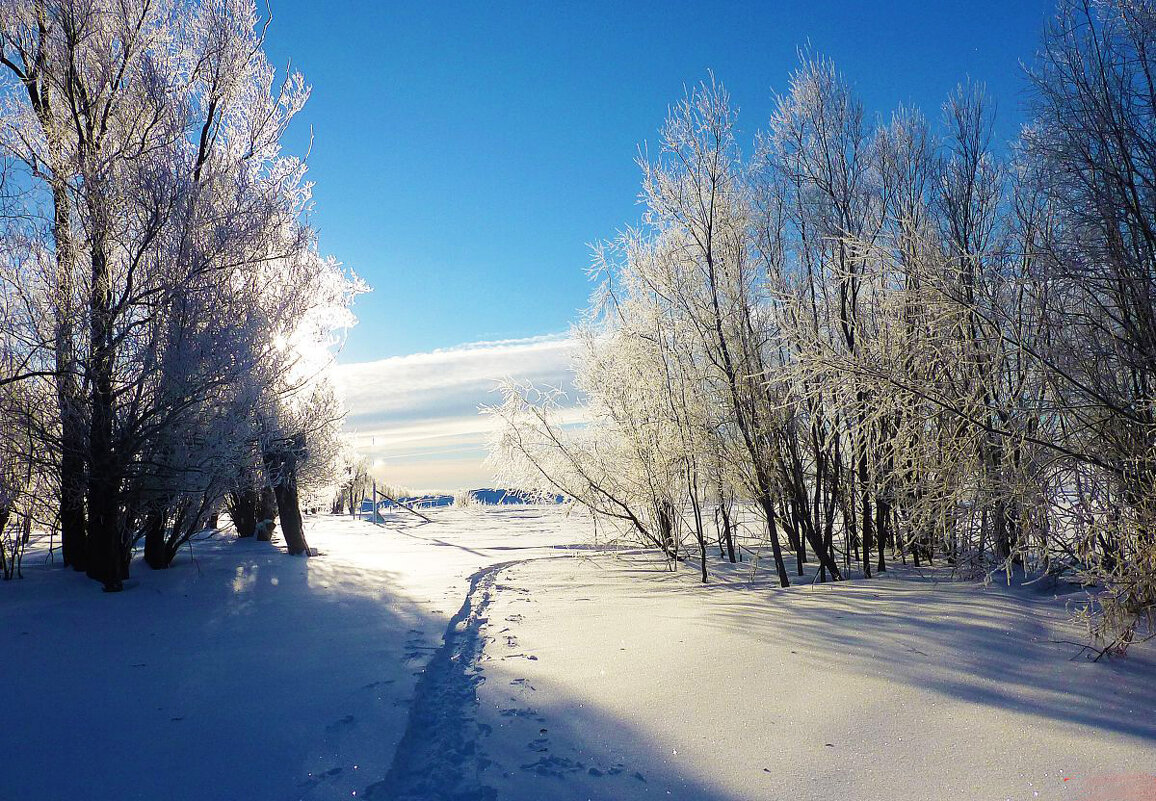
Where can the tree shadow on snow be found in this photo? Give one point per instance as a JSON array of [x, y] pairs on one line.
[[238, 673], [1007, 647]]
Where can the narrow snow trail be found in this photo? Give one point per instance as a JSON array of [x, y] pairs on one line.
[[437, 757]]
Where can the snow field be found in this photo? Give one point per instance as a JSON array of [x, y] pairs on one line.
[[494, 654], [610, 679]]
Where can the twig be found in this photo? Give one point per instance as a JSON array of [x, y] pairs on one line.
[[405, 506], [1083, 646]]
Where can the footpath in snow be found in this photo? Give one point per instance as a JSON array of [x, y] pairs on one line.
[[495, 654]]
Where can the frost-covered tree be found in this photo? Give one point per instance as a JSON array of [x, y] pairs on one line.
[[886, 335], [1092, 153], [183, 282]]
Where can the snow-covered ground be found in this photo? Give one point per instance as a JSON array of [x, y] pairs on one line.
[[616, 682], [241, 673], [478, 657]]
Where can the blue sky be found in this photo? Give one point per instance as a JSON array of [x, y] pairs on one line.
[[464, 154]]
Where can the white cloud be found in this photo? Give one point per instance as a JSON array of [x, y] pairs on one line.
[[419, 413]]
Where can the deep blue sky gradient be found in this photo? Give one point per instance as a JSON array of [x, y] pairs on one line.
[[465, 153]]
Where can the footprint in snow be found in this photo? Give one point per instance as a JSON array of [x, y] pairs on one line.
[[313, 779], [340, 724], [553, 765]]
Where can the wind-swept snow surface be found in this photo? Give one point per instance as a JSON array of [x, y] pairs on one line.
[[478, 658]]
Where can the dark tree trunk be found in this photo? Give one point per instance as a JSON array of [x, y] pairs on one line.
[[154, 551], [802, 555], [106, 559], [73, 444], [728, 533], [106, 552], [289, 510], [882, 515], [5, 571], [242, 506], [722, 554], [5, 511], [798, 540], [772, 529], [281, 466], [828, 541], [72, 484], [700, 531], [851, 524], [267, 504], [664, 512]]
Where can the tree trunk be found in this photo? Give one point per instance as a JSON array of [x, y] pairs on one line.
[[769, 510], [664, 511], [4, 569], [242, 504], [154, 551], [699, 530], [289, 510], [799, 540], [267, 504], [882, 515], [282, 469], [69, 404], [106, 561], [728, 533]]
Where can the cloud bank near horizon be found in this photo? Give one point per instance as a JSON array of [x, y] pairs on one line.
[[418, 415]]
